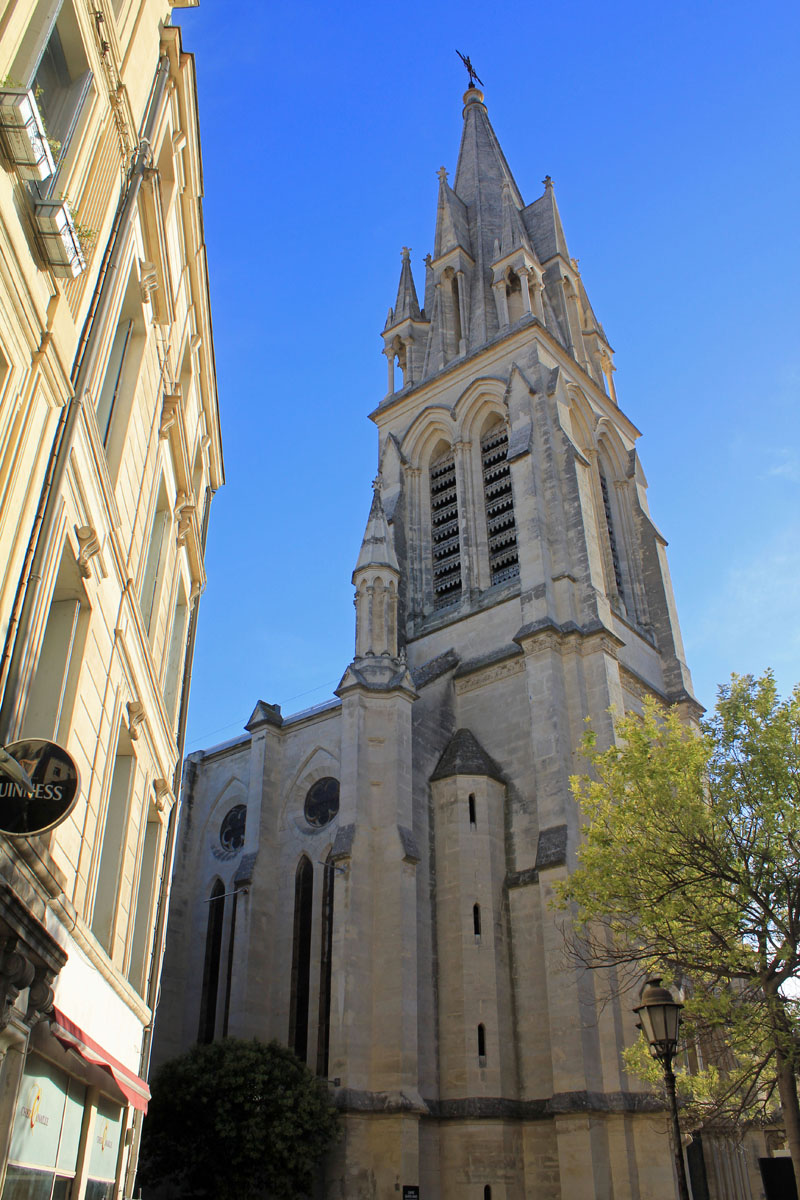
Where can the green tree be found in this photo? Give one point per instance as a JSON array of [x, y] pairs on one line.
[[689, 869], [236, 1119]]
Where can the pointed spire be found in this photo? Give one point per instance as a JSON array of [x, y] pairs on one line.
[[545, 224], [452, 224], [482, 168], [514, 231], [377, 548], [406, 305]]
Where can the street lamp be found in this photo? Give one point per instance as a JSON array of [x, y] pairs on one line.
[[660, 1016]]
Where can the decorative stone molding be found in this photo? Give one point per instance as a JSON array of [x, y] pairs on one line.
[[163, 794], [136, 714], [29, 958], [148, 279], [481, 678], [169, 411], [89, 544]]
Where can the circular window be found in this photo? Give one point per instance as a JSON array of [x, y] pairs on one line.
[[322, 802], [231, 834]]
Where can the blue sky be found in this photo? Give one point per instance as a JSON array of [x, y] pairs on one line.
[[671, 134]]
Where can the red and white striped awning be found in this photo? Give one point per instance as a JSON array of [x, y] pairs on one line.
[[72, 1037]]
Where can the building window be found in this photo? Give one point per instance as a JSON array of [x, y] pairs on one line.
[[612, 537], [48, 710], [114, 837], [176, 655], [499, 499], [301, 959], [156, 559], [232, 829], [324, 1036], [116, 395], [487, 1193], [52, 62], [208, 995], [476, 921], [322, 802], [472, 818], [145, 894], [481, 1046], [444, 532]]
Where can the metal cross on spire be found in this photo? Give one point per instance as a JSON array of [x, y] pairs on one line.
[[473, 75]]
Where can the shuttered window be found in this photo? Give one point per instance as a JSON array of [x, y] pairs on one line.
[[502, 528], [444, 532]]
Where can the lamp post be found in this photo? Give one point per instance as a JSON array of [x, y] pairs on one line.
[[660, 1016]]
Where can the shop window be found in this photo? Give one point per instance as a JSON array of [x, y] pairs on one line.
[[301, 959], [323, 1039], [46, 1133], [208, 995], [114, 836], [52, 693], [445, 538], [499, 499], [156, 558], [145, 895]]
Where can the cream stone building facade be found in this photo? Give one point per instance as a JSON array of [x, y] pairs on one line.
[[370, 880], [109, 455]]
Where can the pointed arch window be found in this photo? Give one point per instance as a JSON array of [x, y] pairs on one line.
[[612, 537], [324, 1035], [500, 522], [445, 536], [208, 995], [301, 958]]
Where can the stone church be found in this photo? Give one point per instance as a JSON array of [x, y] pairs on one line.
[[370, 880]]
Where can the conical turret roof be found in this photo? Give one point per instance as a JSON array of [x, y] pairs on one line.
[[406, 305]]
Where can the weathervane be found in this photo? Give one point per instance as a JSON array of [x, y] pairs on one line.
[[473, 75]]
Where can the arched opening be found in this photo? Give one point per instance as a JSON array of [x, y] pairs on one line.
[[472, 818], [457, 330], [481, 1046], [476, 921], [514, 297], [208, 995], [445, 537], [324, 1036], [301, 958], [612, 536], [487, 1193], [501, 525]]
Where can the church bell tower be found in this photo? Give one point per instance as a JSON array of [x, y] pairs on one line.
[[511, 584]]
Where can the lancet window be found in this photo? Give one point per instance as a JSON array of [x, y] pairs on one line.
[[444, 532], [208, 995], [324, 1035], [301, 959], [612, 538], [500, 522]]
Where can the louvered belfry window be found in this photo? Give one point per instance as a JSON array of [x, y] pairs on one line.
[[502, 528], [444, 532]]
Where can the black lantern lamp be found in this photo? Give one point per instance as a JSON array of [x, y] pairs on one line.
[[660, 1016]]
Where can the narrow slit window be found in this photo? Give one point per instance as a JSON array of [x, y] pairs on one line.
[[445, 533], [481, 1046], [476, 921], [472, 818], [500, 523], [487, 1193]]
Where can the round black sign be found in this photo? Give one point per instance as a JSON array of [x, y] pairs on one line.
[[56, 785]]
